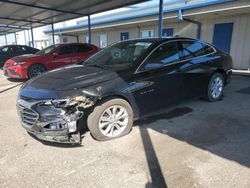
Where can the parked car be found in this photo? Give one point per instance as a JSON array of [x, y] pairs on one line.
[[121, 83], [55, 56], [9, 51]]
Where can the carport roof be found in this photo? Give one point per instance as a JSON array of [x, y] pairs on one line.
[[24, 14]]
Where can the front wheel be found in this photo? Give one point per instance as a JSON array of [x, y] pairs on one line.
[[215, 87], [111, 119], [36, 70]]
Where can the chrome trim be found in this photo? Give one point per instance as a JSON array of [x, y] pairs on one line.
[[180, 61], [230, 70]]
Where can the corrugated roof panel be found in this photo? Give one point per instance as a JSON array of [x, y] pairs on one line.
[[43, 12]]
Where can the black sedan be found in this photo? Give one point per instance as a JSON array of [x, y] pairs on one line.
[[121, 83], [9, 51]]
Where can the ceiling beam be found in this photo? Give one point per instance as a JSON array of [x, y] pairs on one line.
[[41, 7], [24, 20], [13, 27]]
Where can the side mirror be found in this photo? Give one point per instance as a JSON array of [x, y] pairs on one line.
[[55, 54]]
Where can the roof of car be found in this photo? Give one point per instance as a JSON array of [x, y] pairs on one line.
[[73, 43], [157, 39]]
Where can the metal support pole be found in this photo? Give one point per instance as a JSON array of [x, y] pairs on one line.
[[160, 24], [53, 34], [25, 37], [6, 42], [15, 38], [32, 37], [89, 29]]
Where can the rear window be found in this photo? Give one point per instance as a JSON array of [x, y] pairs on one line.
[[191, 49]]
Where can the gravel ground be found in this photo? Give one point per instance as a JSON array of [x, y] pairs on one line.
[[193, 144]]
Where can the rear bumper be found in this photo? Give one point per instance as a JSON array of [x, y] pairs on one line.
[[229, 76]]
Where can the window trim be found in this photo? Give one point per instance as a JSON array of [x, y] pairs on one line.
[[180, 61]]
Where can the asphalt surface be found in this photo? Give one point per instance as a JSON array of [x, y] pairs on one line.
[[193, 144]]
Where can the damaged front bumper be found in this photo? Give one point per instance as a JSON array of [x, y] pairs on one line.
[[53, 120]]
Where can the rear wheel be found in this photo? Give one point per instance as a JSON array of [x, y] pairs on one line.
[[215, 87], [36, 70], [111, 119]]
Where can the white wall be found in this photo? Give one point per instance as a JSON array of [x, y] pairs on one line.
[[240, 44]]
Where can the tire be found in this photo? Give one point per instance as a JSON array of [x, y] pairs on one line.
[[99, 120], [215, 87], [35, 70]]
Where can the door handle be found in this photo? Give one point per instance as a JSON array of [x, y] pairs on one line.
[[178, 69]]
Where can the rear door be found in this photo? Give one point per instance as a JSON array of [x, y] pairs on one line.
[[195, 65], [61, 57], [159, 79]]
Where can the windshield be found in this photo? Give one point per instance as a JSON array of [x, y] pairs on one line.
[[47, 50], [119, 56]]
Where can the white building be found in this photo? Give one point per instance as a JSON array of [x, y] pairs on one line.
[[224, 23]]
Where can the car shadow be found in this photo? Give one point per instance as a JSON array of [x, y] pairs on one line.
[[156, 174], [225, 136], [57, 144], [17, 80], [9, 88]]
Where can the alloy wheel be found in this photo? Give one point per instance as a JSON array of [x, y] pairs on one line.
[[216, 87], [35, 71], [113, 121]]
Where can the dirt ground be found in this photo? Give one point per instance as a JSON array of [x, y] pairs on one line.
[[194, 144]]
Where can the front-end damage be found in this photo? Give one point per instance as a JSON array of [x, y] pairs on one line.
[[54, 120]]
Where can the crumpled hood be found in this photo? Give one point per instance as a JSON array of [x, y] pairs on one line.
[[67, 78]]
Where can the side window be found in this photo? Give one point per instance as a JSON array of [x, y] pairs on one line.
[[67, 49], [83, 48], [21, 49], [166, 54], [5, 50], [191, 49], [8, 50]]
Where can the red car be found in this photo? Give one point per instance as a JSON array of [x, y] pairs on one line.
[[29, 66]]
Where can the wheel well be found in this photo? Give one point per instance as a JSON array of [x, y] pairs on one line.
[[33, 65], [113, 97], [38, 64], [109, 97], [223, 72]]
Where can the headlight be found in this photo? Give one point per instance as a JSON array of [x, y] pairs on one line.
[[62, 103], [81, 101], [18, 63]]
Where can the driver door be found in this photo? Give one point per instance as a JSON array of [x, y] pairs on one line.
[[62, 57], [159, 80]]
